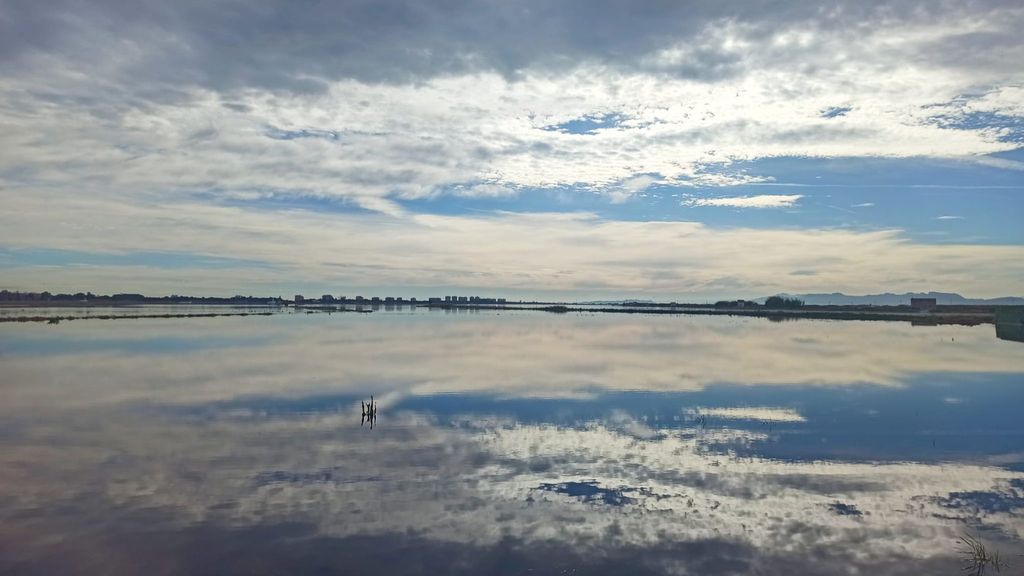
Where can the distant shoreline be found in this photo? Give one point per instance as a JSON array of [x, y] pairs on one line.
[[930, 318], [954, 315], [59, 319]]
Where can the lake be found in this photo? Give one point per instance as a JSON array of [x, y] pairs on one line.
[[507, 442]]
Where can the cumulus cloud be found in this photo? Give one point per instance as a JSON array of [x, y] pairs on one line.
[[401, 100], [760, 201], [170, 116]]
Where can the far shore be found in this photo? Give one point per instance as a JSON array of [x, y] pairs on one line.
[[58, 319], [941, 315]]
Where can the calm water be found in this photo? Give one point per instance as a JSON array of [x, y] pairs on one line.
[[506, 443]]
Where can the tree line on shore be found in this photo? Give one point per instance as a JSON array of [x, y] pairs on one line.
[[127, 298], [773, 302]]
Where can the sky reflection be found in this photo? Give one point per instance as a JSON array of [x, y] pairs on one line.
[[693, 445]]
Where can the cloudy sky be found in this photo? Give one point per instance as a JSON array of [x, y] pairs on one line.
[[539, 149]]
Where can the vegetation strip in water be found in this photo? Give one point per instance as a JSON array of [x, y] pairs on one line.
[[934, 318], [57, 319]]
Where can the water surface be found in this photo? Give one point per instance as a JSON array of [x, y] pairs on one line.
[[506, 442]]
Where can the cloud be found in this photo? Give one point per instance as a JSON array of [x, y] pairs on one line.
[[631, 186], [949, 217], [758, 413], [761, 201], [568, 254], [396, 100], [863, 205], [185, 128], [484, 190], [398, 41]]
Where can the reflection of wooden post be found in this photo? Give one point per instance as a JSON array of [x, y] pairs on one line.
[[368, 412]]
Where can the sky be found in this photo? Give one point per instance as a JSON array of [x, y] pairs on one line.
[[532, 149]]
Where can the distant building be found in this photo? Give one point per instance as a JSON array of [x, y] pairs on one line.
[[434, 301], [327, 298], [923, 303], [463, 300], [299, 299], [389, 299]]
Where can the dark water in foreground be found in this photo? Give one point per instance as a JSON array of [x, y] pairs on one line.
[[507, 443]]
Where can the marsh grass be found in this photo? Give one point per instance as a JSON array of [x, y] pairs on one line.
[[977, 558]]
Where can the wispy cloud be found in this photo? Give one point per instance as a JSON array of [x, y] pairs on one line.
[[761, 201], [949, 217], [759, 413], [572, 254], [863, 205]]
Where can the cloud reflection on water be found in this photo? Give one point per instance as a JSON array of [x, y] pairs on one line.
[[516, 355], [479, 487], [235, 448]]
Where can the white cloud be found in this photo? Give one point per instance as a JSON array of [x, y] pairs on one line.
[[484, 190], [725, 91], [948, 217], [118, 150], [760, 201], [759, 413], [571, 254]]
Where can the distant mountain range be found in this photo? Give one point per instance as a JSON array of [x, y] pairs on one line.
[[890, 299]]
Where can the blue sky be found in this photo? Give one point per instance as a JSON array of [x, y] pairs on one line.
[[726, 150]]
